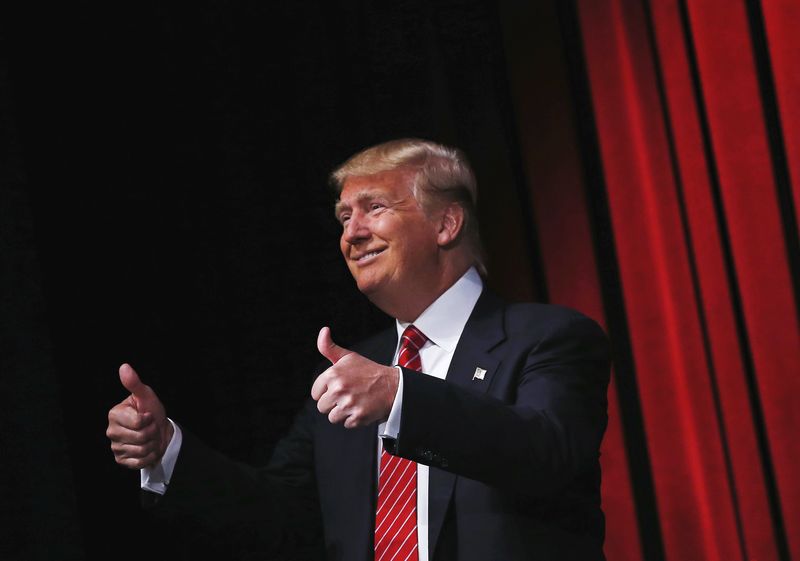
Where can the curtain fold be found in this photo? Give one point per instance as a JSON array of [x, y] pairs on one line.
[[697, 172]]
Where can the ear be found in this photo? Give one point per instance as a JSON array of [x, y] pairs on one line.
[[451, 222]]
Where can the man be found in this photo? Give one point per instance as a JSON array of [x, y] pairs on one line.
[[469, 431]]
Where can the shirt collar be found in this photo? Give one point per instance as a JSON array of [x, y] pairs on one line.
[[443, 321]]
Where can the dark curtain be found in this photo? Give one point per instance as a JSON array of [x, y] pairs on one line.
[[164, 202], [36, 479]]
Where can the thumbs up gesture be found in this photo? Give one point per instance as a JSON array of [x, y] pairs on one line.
[[354, 391], [137, 426]]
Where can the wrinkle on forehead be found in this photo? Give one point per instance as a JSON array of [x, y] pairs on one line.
[[384, 185], [368, 194], [365, 194]]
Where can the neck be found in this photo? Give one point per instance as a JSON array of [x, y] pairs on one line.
[[409, 306]]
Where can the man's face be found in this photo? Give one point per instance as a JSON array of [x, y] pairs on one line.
[[388, 242]]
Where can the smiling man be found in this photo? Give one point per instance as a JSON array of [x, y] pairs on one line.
[[468, 431], [403, 252]]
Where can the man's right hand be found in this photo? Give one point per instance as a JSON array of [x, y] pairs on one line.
[[138, 426]]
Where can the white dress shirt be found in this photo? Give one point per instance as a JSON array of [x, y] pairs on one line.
[[442, 323]]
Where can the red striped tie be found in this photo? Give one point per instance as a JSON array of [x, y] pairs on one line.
[[396, 517]]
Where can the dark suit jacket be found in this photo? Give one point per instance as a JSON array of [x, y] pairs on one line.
[[514, 456]]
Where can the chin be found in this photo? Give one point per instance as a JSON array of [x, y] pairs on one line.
[[367, 288], [370, 288]]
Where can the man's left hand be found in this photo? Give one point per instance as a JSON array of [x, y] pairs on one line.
[[354, 391]]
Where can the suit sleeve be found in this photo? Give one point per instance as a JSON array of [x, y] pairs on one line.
[[267, 512], [538, 427]]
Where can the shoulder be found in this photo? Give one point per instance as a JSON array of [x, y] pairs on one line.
[[548, 331], [547, 315], [542, 322]]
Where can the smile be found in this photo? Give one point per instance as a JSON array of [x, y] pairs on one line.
[[367, 257]]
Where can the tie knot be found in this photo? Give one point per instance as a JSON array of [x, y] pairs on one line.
[[411, 342], [413, 338]]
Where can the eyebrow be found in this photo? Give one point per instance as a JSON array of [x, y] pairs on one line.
[[337, 209], [361, 196]]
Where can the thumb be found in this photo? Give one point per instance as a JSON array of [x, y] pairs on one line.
[[328, 348], [130, 379]]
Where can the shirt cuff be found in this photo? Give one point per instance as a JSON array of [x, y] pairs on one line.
[[156, 478], [391, 428]]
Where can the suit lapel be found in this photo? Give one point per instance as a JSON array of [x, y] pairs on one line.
[[473, 367], [483, 332]]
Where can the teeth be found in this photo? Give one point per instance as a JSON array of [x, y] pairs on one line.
[[370, 254]]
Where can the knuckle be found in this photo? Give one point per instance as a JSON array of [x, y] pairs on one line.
[[141, 438], [149, 423]]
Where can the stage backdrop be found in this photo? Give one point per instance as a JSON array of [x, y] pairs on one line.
[[668, 210], [164, 202]]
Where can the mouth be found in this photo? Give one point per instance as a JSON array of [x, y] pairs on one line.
[[367, 257]]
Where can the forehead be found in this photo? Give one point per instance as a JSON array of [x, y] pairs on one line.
[[394, 183]]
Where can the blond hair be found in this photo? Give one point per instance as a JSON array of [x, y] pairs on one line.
[[443, 176]]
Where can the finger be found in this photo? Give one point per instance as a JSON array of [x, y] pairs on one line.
[[128, 417], [337, 415], [320, 386], [138, 463], [122, 435], [123, 451], [130, 379], [354, 417], [326, 403], [328, 348]]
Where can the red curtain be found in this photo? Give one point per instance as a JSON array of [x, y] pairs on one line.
[[680, 234]]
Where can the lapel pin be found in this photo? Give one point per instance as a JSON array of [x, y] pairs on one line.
[[479, 373]]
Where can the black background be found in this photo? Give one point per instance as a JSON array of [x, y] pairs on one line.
[[165, 203]]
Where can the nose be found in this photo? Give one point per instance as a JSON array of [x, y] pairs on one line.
[[356, 230]]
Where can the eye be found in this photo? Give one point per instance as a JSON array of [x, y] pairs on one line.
[[343, 218], [376, 206]]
